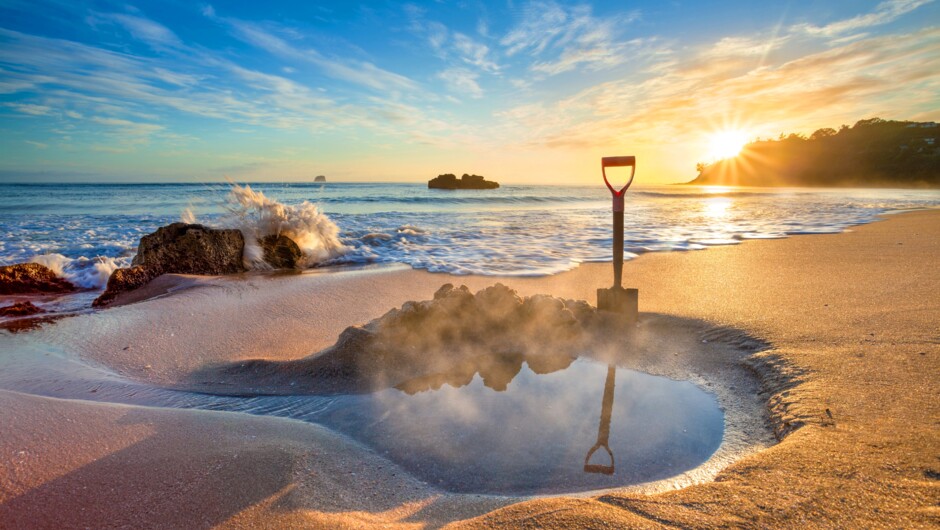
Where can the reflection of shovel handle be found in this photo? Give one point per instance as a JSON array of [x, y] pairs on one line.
[[597, 468], [603, 428]]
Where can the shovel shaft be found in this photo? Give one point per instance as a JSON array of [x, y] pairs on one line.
[[618, 248]]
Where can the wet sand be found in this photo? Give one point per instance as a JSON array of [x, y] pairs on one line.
[[850, 380]]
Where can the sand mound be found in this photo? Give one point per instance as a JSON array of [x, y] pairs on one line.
[[424, 344]]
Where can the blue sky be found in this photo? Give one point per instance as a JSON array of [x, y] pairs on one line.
[[518, 91]]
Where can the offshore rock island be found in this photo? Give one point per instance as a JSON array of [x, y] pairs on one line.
[[449, 181], [873, 152]]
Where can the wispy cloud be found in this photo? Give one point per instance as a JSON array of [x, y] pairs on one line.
[[143, 29], [892, 75], [466, 58], [463, 81], [884, 13], [29, 108], [362, 73], [574, 36], [474, 53]]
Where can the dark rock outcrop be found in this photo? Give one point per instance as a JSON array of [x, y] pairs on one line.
[[178, 248], [280, 251], [20, 309], [182, 248], [31, 278], [320, 178], [449, 181], [123, 280]]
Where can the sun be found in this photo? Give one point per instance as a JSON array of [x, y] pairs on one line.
[[726, 144]]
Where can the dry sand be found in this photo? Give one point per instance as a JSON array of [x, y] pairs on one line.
[[852, 320]]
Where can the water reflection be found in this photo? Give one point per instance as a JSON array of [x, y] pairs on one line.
[[516, 424], [495, 370], [603, 428]]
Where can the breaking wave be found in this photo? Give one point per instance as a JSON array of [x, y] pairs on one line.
[[258, 216], [87, 273]]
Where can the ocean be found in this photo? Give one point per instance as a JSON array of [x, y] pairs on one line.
[[84, 231]]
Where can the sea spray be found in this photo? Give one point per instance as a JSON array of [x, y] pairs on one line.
[[188, 216], [258, 216], [88, 273]]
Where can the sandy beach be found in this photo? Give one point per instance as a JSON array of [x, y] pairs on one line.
[[839, 332]]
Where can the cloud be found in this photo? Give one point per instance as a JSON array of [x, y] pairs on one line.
[[37, 145], [892, 75], [146, 30], [129, 127], [98, 81], [474, 53], [362, 73], [573, 36], [542, 23], [454, 47], [884, 13], [29, 108], [462, 80]]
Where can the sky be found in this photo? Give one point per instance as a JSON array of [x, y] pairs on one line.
[[518, 91]]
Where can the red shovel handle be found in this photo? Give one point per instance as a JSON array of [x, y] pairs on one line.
[[618, 161]]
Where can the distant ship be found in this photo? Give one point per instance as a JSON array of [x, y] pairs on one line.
[[449, 181]]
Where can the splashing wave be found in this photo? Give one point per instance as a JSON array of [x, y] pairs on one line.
[[87, 273], [258, 216]]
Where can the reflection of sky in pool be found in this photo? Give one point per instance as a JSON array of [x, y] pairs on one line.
[[534, 436], [508, 430]]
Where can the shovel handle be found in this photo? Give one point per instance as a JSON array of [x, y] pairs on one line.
[[618, 161]]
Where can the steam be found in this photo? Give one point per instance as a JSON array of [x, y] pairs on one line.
[[258, 216], [425, 344]]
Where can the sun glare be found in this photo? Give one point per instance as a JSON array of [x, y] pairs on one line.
[[726, 144]]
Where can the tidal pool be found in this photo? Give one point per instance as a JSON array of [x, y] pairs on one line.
[[505, 426], [533, 434]]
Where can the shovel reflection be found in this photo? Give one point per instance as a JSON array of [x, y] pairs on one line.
[[603, 429]]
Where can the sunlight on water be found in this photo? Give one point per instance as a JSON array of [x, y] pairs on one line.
[[515, 230]]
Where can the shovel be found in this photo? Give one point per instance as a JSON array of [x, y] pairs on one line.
[[617, 299]]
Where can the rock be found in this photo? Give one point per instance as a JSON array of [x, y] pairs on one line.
[[178, 248], [320, 178], [28, 278], [449, 181], [20, 309], [280, 251], [123, 280], [182, 248]]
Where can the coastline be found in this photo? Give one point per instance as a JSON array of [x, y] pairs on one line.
[[847, 317]]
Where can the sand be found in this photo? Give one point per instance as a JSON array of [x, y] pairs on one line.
[[851, 324]]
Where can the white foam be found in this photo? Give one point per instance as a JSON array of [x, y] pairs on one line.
[[87, 273], [258, 216], [55, 262]]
